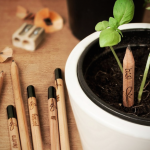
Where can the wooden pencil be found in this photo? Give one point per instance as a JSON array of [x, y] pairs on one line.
[[128, 78], [22, 122], [53, 119], [34, 119], [62, 118], [1, 80], [13, 128]]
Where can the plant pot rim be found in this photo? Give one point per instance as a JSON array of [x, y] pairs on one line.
[[82, 100]]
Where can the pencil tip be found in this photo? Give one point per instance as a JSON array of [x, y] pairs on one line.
[[129, 47]]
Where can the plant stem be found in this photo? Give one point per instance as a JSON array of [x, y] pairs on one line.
[[144, 79], [117, 59]]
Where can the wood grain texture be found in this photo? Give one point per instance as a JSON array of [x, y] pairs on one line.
[[35, 124], [36, 68], [53, 122], [62, 117], [14, 134]]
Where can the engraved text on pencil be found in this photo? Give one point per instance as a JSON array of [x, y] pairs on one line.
[[128, 74], [52, 106], [14, 140], [32, 104], [12, 124], [35, 121], [53, 117], [57, 97], [128, 93]]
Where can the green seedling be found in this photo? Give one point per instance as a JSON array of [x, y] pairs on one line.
[[144, 79], [110, 35]]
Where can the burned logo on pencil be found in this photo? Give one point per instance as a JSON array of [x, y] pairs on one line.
[[57, 97], [32, 104], [53, 117], [128, 93], [35, 121], [12, 124], [128, 74], [52, 107], [14, 140]]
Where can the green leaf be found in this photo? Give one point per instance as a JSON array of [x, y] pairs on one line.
[[148, 8], [101, 25], [113, 23], [109, 37], [119, 32], [123, 11]]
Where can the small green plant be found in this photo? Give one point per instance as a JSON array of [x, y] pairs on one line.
[[110, 35], [144, 79]]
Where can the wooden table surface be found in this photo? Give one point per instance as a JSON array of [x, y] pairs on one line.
[[36, 68]]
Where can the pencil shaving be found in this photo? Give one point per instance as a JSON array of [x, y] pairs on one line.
[[23, 13], [5, 53], [49, 20]]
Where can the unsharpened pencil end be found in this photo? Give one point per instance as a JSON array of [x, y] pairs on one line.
[[51, 92], [58, 74], [31, 91], [11, 112]]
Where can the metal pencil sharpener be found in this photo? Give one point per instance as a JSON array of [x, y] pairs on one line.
[[28, 37]]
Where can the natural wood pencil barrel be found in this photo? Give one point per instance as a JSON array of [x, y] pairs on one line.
[[62, 117], [53, 119], [13, 128], [34, 119], [22, 122], [1, 80], [128, 78]]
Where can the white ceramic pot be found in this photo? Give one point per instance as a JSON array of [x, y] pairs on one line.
[[98, 129]]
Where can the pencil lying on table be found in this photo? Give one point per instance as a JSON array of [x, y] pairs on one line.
[[1, 80], [22, 122], [53, 119], [13, 128], [62, 118], [34, 119]]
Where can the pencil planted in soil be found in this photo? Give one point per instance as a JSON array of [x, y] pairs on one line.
[[128, 78]]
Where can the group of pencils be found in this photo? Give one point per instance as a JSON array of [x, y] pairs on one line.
[[19, 139]]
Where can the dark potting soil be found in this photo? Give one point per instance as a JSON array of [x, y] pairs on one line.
[[106, 80]]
